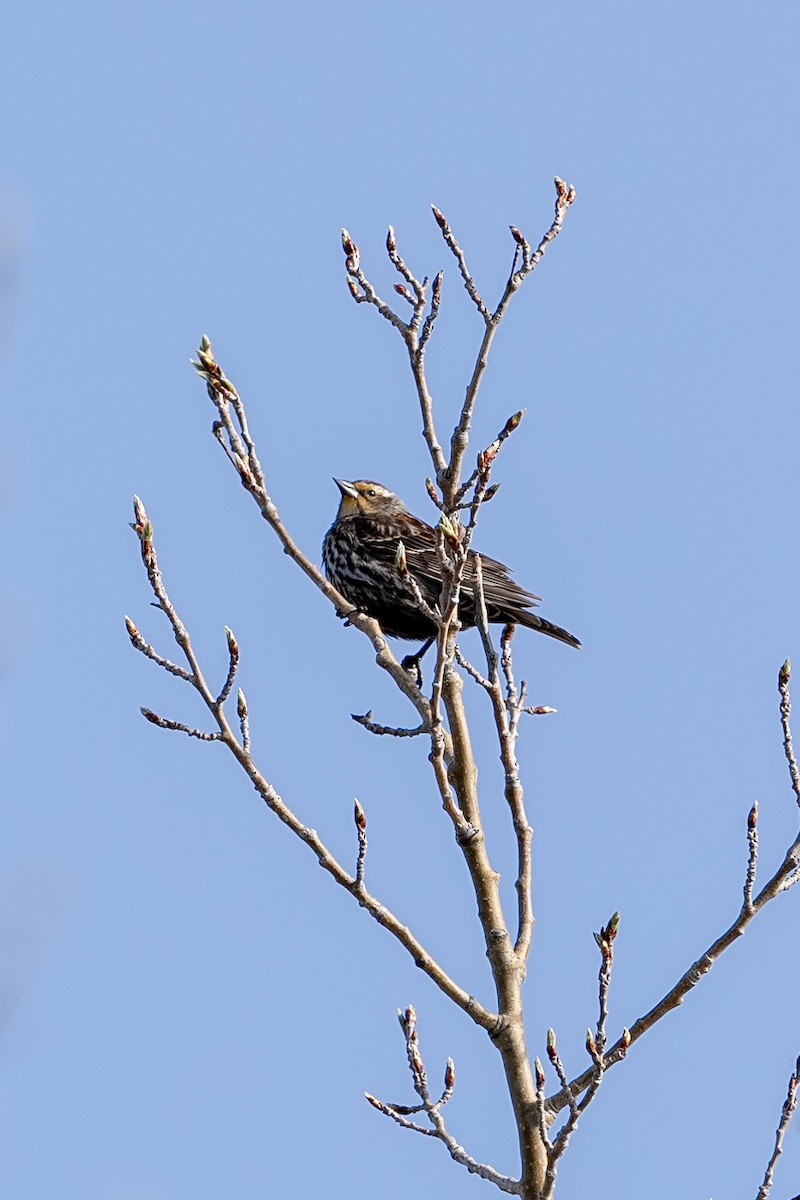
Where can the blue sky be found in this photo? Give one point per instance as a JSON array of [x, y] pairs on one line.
[[188, 1007]]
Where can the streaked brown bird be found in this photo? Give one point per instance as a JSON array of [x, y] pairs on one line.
[[359, 555]]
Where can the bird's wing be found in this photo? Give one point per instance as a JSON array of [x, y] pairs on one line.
[[419, 541], [498, 587]]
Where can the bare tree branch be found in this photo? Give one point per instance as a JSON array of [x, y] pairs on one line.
[[241, 751], [233, 663], [443, 719], [787, 1112], [366, 721], [432, 1108], [360, 818], [787, 874], [458, 254], [752, 858], [448, 473], [565, 196], [233, 434], [784, 676]]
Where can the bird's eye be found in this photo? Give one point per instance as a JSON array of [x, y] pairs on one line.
[[372, 493]]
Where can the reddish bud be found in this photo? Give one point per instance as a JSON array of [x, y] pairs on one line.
[[431, 490]]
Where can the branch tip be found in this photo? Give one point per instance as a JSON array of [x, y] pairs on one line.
[[439, 217]]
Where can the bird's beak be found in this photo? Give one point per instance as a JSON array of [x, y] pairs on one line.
[[346, 488]]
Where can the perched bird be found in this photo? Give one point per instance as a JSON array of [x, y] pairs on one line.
[[360, 557]]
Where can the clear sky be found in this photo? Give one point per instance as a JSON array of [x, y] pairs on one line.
[[189, 1009]]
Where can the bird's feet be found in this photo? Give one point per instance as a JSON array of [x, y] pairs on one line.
[[411, 664]]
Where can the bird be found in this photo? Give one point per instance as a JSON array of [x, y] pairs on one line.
[[361, 559]]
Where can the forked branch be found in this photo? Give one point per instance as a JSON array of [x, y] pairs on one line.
[[784, 878], [432, 1109], [240, 748], [417, 331]]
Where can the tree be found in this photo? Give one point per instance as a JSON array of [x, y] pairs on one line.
[[545, 1124]]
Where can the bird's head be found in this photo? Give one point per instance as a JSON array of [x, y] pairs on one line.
[[365, 497]]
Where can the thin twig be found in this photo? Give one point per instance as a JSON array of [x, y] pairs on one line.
[[570, 1125], [433, 312], [458, 254], [366, 721], [784, 675], [178, 726], [243, 713], [471, 670], [233, 663], [787, 1112], [565, 196], [596, 1043], [541, 1112], [147, 650], [360, 818], [752, 858]]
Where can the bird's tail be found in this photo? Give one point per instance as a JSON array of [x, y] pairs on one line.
[[534, 621]]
